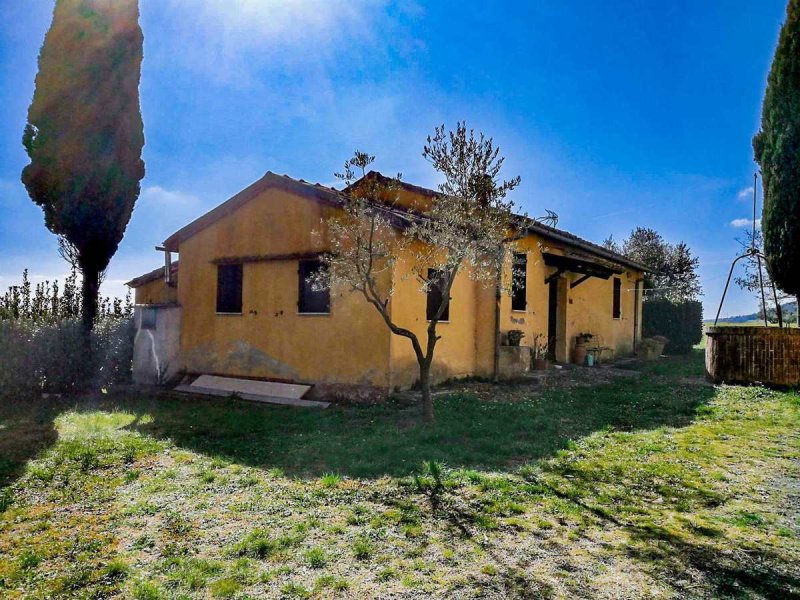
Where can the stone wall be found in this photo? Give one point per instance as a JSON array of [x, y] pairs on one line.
[[514, 361], [767, 355]]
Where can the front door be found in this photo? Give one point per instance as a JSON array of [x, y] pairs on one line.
[[552, 318]]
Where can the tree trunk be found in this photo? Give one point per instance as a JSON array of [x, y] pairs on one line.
[[425, 387], [90, 291]]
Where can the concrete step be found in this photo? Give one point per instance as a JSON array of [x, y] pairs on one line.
[[203, 391]]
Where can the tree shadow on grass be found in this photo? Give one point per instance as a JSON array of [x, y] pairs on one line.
[[367, 441], [375, 441], [748, 572], [26, 429]]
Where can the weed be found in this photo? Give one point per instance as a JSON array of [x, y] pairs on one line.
[[295, 590], [29, 559], [116, 569], [316, 558], [429, 482], [259, 544], [143, 590], [227, 587], [363, 548], [330, 480]]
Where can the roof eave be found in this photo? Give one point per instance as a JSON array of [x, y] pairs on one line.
[[586, 246]]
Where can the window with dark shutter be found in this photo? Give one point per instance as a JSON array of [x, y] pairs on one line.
[[309, 300], [616, 310], [229, 289], [434, 299], [519, 282]]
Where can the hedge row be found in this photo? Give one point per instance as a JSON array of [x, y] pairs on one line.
[[38, 358], [680, 322]]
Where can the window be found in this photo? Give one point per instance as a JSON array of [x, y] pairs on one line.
[[519, 282], [229, 289], [434, 300], [148, 320], [616, 310], [310, 300]]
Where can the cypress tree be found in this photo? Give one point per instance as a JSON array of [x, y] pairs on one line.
[[777, 151], [84, 135]]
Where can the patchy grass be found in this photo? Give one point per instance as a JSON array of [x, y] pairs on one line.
[[656, 486]]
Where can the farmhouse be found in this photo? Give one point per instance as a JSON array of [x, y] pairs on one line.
[[238, 302]]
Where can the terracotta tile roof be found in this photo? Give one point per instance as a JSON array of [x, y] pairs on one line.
[[398, 215], [153, 275]]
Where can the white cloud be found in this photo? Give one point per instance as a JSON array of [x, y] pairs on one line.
[[743, 223], [745, 194], [162, 196]]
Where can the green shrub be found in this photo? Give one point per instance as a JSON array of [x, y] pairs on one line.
[[50, 357], [680, 322]]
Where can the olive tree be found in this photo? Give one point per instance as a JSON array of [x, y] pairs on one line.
[[463, 230]]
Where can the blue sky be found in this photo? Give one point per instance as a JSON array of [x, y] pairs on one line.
[[615, 114]]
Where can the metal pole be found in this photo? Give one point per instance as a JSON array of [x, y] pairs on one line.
[[727, 283], [774, 292], [763, 298], [755, 187]]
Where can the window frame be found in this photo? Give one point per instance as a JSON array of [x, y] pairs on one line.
[[519, 259], [434, 287], [303, 288], [219, 300], [616, 299]]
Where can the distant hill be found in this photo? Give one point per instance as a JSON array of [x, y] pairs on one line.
[[789, 313]]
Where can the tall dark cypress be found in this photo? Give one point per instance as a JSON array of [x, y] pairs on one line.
[[85, 134], [777, 151]]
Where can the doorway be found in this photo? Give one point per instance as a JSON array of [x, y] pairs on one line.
[[552, 317]]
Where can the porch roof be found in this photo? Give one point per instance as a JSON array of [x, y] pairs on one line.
[[584, 265]]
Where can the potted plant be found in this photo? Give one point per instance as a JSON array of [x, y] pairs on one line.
[[539, 350], [515, 337], [579, 352]]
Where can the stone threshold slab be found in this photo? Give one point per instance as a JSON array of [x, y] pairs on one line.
[[277, 400], [251, 386]]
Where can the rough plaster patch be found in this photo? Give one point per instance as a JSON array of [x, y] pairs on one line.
[[246, 358], [202, 358]]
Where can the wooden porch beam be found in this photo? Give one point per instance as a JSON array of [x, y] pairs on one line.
[[553, 276], [577, 282]]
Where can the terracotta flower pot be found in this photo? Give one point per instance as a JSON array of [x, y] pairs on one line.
[[579, 354], [540, 364]]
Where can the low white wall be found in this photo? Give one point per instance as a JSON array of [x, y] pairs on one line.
[[156, 347]]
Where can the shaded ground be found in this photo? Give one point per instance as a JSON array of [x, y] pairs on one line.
[[649, 486]]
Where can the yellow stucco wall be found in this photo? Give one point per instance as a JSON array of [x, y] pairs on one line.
[[465, 347], [270, 339], [588, 307], [590, 311], [155, 292], [352, 345]]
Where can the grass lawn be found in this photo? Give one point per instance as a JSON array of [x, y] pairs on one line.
[[656, 486]]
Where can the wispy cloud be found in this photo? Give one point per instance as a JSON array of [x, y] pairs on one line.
[[156, 194], [743, 223], [745, 194]]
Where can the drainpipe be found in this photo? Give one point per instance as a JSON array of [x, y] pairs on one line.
[[637, 308], [167, 264], [496, 370]]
